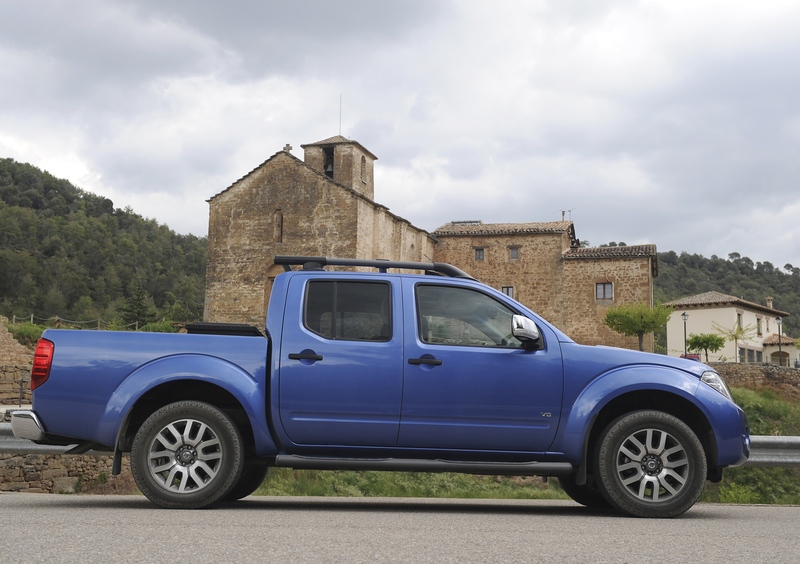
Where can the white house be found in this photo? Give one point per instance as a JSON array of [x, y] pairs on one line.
[[717, 313]]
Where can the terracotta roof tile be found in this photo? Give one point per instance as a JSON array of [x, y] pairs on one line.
[[329, 141], [339, 140], [716, 299], [612, 252], [479, 228], [773, 340]]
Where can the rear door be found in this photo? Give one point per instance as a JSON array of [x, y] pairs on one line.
[[469, 384], [341, 362]]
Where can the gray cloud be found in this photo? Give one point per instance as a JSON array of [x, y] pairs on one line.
[[673, 123]]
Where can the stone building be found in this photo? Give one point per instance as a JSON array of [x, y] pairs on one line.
[[543, 266], [320, 206], [324, 206]]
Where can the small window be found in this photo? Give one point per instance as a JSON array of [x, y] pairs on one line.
[[604, 291], [739, 322], [479, 254], [742, 355], [352, 311], [759, 357], [363, 169], [751, 355], [513, 253], [508, 291], [759, 323], [277, 225]]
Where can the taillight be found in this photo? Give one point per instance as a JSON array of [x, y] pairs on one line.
[[42, 360]]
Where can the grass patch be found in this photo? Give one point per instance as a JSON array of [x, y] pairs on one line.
[[26, 333], [769, 414], [289, 482]]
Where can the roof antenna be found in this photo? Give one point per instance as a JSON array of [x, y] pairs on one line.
[[340, 113]]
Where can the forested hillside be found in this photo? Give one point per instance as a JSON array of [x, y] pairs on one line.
[[68, 253], [687, 274]]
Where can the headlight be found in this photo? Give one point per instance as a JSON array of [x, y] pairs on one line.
[[715, 381]]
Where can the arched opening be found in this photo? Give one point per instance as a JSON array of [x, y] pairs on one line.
[[363, 169], [782, 360]]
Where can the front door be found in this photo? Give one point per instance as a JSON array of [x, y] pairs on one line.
[[469, 384]]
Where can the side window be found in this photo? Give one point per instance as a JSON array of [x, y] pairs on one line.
[[351, 311], [459, 316], [604, 291]]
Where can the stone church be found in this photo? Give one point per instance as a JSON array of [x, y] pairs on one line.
[[324, 205]]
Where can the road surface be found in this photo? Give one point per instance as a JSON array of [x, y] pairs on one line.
[[89, 528]]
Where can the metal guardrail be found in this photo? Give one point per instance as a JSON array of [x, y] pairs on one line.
[[765, 451], [769, 451]]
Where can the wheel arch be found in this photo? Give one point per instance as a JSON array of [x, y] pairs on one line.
[[179, 390], [658, 400], [228, 387], [628, 389]]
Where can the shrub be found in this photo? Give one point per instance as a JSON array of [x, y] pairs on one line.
[[26, 333]]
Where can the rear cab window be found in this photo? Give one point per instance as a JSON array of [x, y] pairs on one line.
[[348, 310]]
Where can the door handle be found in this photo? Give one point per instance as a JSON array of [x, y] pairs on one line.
[[431, 361], [305, 356]]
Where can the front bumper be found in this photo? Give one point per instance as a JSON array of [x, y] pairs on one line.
[[26, 425]]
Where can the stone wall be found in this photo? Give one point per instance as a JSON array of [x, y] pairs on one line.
[[785, 381], [55, 473], [15, 367]]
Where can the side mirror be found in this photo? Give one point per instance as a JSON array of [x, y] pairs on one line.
[[524, 329]]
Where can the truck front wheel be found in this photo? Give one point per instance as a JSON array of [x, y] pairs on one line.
[[187, 455], [651, 464], [584, 494]]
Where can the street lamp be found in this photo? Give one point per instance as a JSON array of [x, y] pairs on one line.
[[685, 317], [779, 321]]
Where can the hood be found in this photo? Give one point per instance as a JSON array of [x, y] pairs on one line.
[[609, 357]]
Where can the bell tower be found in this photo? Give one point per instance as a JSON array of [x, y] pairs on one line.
[[345, 162]]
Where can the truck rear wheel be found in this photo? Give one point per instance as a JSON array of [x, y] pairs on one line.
[[651, 464], [252, 476], [187, 455]]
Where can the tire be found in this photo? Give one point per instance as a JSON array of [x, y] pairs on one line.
[[651, 464], [585, 495], [187, 455], [252, 476]]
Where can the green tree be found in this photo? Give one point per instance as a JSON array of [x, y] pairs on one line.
[[705, 342], [636, 320], [736, 333], [137, 309], [68, 253]]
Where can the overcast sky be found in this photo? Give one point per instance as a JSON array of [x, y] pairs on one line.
[[672, 122]]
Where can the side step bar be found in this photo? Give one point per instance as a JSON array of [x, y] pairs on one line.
[[421, 465]]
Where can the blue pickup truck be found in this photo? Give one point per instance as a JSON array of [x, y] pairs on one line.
[[380, 370]]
